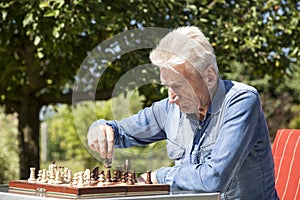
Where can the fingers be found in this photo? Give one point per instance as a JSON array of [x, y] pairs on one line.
[[92, 137], [110, 141], [102, 142], [101, 139]]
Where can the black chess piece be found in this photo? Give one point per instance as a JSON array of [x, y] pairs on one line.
[[95, 173], [115, 177], [124, 177], [148, 181], [108, 177], [130, 180]]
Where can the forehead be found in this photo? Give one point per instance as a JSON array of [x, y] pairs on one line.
[[179, 74], [171, 76]]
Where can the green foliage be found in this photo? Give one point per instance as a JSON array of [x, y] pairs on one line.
[[63, 140], [295, 122], [43, 43], [9, 162]]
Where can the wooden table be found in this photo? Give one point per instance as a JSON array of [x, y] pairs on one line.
[[5, 194]]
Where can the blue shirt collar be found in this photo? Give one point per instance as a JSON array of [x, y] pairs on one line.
[[218, 98]]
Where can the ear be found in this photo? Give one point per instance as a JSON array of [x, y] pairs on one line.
[[210, 76]]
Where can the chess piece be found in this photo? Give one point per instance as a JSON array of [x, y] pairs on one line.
[[95, 173], [130, 180], [115, 177], [52, 173], [108, 180], [119, 174], [134, 176], [87, 176], [32, 175], [101, 179], [44, 176], [148, 181], [108, 177], [124, 177], [39, 176], [62, 173], [58, 177], [75, 179], [69, 177], [65, 174], [80, 182], [107, 162]]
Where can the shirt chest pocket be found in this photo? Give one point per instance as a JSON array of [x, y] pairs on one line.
[[175, 151], [204, 152]]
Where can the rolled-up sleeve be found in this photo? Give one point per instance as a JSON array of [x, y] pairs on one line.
[[145, 127]]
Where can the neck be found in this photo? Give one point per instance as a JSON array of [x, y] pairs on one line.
[[203, 110], [202, 113]]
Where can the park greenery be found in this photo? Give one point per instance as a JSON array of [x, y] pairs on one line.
[[44, 42]]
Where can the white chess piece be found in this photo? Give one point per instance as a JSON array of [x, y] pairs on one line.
[[32, 175], [69, 177], [39, 178], [101, 180], [44, 176], [80, 179], [57, 177], [75, 179], [87, 176]]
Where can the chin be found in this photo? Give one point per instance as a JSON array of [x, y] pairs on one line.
[[187, 110]]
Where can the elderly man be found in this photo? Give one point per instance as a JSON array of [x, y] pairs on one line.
[[215, 129]]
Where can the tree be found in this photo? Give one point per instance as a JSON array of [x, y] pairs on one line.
[[43, 44]]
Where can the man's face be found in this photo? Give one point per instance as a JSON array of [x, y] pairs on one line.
[[185, 88]]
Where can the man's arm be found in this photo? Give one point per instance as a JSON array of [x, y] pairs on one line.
[[235, 140], [145, 127]]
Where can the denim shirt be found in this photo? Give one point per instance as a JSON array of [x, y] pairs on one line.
[[227, 152]]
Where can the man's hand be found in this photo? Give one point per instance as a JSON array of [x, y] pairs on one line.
[[101, 139]]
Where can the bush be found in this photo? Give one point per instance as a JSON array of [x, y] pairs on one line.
[[9, 158]]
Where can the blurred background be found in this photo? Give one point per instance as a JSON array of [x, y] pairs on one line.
[[43, 44]]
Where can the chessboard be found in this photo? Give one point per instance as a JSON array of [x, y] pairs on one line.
[[59, 181]]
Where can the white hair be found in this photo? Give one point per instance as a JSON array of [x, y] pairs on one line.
[[184, 44]]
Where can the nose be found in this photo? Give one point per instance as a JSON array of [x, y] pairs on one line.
[[172, 96]]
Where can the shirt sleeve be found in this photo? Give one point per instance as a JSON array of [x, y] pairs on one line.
[[236, 139], [145, 127]]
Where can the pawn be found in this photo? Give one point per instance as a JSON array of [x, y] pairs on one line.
[[40, 173], [130, 180], [44, 176], [81, 179], [75, 179], [108, 177], [69, 177], [134, 176], [115, 177], [148, 181], [57, 177], [87, 176], [101, 179], [124, 177], [32, 175]]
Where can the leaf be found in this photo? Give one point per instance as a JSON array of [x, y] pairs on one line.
[[37, 40], [28, 19], [51, 13], [44, 4]]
